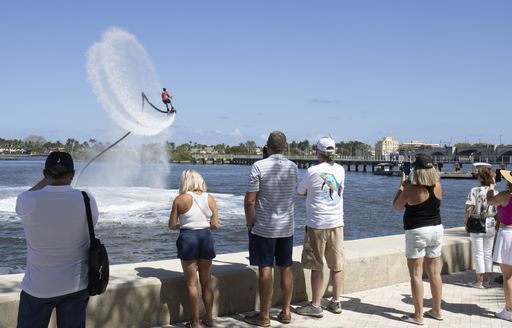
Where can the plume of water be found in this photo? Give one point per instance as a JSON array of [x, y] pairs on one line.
[[119, 70]]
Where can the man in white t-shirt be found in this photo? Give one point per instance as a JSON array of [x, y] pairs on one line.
[[55, 223], [323, 187]]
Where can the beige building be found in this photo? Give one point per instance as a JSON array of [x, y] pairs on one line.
[[386, 146]]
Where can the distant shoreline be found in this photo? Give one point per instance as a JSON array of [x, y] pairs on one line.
[[16, 157]]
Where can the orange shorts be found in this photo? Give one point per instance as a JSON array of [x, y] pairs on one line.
[[320, 244]]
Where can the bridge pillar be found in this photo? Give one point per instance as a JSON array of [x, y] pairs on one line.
[[348, 167], [357, 167], [364, 168]]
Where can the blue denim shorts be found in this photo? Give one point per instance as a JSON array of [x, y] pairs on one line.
[[195, 245], [262, 251]]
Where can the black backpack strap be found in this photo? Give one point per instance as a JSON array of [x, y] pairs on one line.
[[87, 202]]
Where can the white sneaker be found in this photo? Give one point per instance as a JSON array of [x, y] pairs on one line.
[[475, 285], [505, 315]]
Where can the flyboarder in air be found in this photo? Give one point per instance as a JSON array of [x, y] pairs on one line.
[[166, 99]]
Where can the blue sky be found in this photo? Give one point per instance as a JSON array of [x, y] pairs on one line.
[[358, 70]]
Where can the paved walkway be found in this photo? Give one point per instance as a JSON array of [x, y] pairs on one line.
[[463, 307]]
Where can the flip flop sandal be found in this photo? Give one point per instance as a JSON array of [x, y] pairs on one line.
[[256, 320], [284, 318], [205, 323], [410, 319], [431, 316]]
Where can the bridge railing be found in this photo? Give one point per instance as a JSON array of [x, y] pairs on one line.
[[304, 157]]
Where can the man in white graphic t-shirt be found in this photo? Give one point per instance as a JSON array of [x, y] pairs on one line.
[[323, 187]]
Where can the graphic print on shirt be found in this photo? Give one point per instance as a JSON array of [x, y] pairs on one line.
[[331, 188], [481, 209]]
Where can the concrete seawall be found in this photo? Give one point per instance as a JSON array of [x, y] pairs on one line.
[[154, 293]]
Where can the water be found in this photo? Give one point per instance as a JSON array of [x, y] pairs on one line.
[[133, 219]]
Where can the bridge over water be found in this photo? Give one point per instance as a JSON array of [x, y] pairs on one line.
[[305, 161], [491, 154], [356, 163]]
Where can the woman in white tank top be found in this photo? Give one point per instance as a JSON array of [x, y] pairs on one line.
[[195, 213]]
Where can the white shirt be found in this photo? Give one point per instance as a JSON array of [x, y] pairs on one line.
[[199, 214], [323, 185], [55, 225], [477, 198]]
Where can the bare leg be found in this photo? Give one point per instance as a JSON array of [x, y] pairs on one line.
[[265, 289], [416, 272], [205, 278], [507, 285], [286, 287], [190, 271], [486, 279], [479, 277], [337, 281], [433, 269], [317, 282]]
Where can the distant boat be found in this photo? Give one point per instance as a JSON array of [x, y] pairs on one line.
[[389, 169], [456, 175]]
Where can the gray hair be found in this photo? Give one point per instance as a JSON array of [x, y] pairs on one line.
[[326, 156], [191, 181]]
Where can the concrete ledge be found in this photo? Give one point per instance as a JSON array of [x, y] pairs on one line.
[[154, 293]]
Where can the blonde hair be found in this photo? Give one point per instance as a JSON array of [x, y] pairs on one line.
[[191, 181], [425, 177]]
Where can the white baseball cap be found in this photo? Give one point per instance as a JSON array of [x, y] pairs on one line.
[[326, 145], [479, 164]]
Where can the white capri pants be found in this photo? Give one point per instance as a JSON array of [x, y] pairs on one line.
[[481, 247]]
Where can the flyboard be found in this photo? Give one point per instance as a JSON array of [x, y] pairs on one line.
[[145, 99]]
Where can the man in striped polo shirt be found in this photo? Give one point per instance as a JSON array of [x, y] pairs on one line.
[[269, 208]]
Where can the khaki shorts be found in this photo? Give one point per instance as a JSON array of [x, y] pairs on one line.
[[320, 243]]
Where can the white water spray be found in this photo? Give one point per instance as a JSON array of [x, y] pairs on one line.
[[119, 70]]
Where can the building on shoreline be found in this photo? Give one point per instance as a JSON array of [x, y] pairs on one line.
[[386, 146]]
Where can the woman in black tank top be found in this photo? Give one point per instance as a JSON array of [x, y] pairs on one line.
[[420, 194]]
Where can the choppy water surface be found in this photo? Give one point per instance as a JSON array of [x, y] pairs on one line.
[[133, 219]]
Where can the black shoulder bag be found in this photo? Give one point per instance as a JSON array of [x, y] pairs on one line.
[[98, 257], [476, 225]]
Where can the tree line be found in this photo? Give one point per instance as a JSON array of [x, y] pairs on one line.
[[40, 146], [180, 152], [185, 151]]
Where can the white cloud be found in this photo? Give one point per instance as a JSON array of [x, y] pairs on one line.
[[324, 101], [236, 133]]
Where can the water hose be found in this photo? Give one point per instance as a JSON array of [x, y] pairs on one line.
[[95, 157]]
